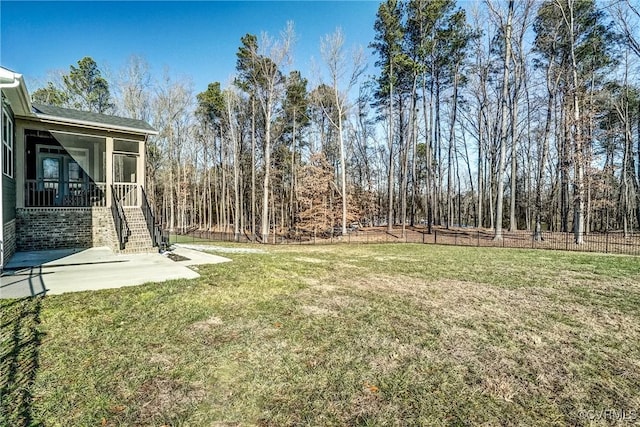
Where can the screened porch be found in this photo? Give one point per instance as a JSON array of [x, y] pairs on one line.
[[77, 170]]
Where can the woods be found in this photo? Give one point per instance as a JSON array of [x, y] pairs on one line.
[[521, 115]]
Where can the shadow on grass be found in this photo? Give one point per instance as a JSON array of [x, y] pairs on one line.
[[20, 339]]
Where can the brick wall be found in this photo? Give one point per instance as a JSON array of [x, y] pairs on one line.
[[103, 228], [9, 243], [61, 228]]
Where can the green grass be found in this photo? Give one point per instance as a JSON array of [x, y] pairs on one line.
[[337, 335]]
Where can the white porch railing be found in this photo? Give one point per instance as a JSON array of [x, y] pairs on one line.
[[126, 193]]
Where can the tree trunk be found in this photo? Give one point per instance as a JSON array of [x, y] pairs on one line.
[[390, 145], [503, 133], [267, 173], [343, 175], [253, 168], [452, 141], [513, 220], [574, 129]]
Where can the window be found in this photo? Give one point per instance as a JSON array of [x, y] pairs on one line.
[[51, 168], [7, 145], [124, 168], [75, 173], [126, 146]]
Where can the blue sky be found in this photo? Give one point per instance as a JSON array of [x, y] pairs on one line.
[[195, 39]]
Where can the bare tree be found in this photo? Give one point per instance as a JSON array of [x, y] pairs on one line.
[[172, 111], [506, 26], [344, 72], [261, 64]]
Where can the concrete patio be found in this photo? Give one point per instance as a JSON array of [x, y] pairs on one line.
[[73, 270]]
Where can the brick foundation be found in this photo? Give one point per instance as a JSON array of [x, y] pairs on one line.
[[9, 243], [103, 228], [63, 228]]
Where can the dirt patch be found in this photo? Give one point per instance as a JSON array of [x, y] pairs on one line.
[[162, 359], [317, 286], [207, 324], [396, 355], [310, 260], [161, 399], [313, 310]]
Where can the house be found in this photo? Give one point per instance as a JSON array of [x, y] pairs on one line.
[[70, 179]]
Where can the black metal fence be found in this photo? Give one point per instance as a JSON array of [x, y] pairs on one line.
[[608, 242]]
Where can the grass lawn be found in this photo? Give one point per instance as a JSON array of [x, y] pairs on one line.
[[338, 335]]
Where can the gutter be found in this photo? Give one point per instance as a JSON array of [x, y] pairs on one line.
[[9, 80], [3, 85]]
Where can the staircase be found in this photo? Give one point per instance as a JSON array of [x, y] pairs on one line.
[[139, 240]]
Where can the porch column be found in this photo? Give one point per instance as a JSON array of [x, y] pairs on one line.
[[140, 173], [109, 171], [20, 167]]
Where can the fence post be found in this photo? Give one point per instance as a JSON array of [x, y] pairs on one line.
[[606, 250], [478, 239], [423, 238], [566, 241], [435, 236]]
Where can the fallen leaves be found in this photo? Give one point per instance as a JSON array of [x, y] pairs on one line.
[[371, 388]]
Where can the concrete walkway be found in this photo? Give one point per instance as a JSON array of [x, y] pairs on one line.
[[73, 270]]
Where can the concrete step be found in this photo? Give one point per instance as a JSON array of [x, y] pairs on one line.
[[141, 250]]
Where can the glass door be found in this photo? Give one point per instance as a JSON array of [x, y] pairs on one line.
[[61, 180], [51, 175]]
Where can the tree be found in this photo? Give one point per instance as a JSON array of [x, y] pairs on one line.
[[50, 95], [232, 100], [172, 116], [260, 69], [458, 36], [388, 46], [572, 33], [212, 114], [296, 105], [86, 88], [134, 89], [83, 88], [340, 66], [504, 120], [314, 195]]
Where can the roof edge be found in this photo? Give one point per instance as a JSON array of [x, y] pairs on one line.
[[96, 125], [15, 81]]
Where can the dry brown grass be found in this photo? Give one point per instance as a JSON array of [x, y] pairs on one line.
[[350, 335]]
